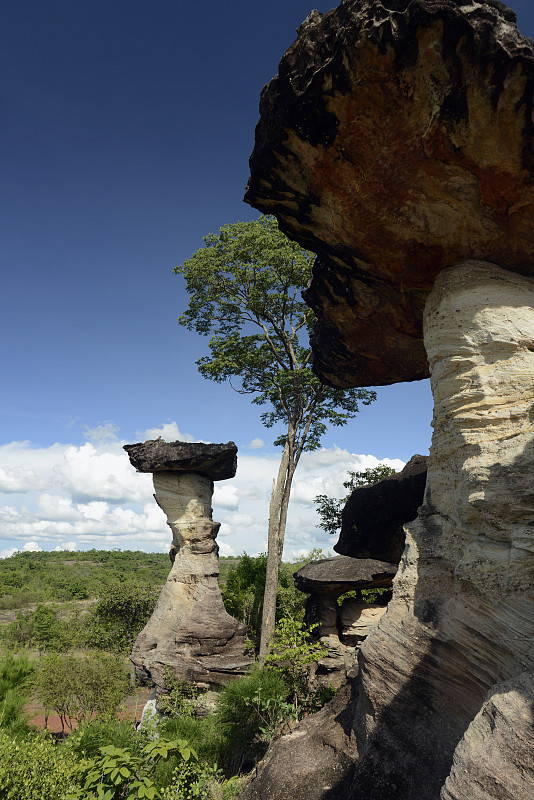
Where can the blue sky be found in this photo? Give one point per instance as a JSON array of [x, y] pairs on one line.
[[126, 133]]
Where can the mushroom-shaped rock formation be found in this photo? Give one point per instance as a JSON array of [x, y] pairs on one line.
[[342, 628], [374, 516], [340, 574], [397, 142], [190, 630]]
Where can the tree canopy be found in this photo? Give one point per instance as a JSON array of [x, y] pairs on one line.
[[244, 290]]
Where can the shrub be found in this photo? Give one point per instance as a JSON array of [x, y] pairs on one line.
[[32, 768], [291, 655], [15, 674], [250, 711], [79, 686], [86, 741], [179, 698]]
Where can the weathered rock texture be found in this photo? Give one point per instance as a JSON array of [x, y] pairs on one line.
[[189, 630], [374, 516], [342, 628], [215, 461], [314, 759], [395, 141], [335, 576]]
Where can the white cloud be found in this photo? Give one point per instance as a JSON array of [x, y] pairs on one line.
[[88, 473], [9, 552], [32, 547], [256, 444], [65, 546], [89, 495], [225, 549], [19, 479], [169, 432], [225, 496], [107, 432]]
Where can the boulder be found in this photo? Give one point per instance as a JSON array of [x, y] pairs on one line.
[[374, 516], [214, 461], [494, 756], [358, 620], [397, 142], [315, 760]]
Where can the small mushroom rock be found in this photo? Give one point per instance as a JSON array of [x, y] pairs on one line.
[[189, 630], [334, 576]]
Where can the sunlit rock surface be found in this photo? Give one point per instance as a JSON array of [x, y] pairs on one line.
[[189, 630]]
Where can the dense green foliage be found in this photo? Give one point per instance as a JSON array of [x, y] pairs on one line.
[[107, 758], [244, 587], [33, 768], [331, 508], [27, 578], [79, 686], [244, 290], [15, 676]]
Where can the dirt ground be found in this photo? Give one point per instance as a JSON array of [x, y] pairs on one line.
[[132, 710]]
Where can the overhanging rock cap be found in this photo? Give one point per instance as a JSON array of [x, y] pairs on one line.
[[342, 574], [215, 461], [396, 141]]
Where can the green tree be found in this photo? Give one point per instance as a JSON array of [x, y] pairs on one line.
[[330, 509], [120, 613], [244, 288], [45, 627], [79, 686]]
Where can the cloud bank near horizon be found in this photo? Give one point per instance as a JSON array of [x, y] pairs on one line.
[[68, 497]]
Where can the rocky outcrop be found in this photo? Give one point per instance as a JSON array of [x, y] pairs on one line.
[[189, 630], [340, 574], [312, 761], [342, 628], [374, 516], [397, 143]]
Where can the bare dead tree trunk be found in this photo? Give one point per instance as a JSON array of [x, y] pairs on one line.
[[274, 554]]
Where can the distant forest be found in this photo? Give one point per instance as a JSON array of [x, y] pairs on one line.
[[27, 578]]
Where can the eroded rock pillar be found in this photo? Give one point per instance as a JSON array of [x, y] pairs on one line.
[[459, 627], [189, 630]]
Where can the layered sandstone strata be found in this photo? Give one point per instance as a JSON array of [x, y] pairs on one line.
[[190, 630]]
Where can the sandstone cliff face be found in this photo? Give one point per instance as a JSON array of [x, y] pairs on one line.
[[397, 142]]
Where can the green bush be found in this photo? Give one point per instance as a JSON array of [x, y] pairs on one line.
[[250, 711], [86, 741], [32, 768], [204, 734], [15, 674], [79, 686]]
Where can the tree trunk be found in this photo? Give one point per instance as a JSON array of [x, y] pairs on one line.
[[275, 544]]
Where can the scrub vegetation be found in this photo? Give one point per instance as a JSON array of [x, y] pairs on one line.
[[71, 656]]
